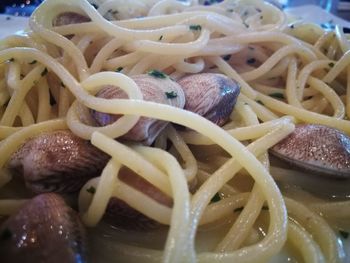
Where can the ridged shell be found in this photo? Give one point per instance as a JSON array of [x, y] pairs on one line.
[[317, 148], [121, 214], [68, 18], [44, 230], [153, 89], [210, 95], [58, 162]]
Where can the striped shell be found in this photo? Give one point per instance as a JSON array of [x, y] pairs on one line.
[[68, 18], [58, 162], [153, 89], [44, 230], [320, 149], [121, 214], [210, 95]]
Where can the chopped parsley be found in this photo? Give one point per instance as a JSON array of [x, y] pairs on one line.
[[331, 65], [91, 190], [238, 209], [157, 74], [277, 95], [119, 69], [6, 234], [251, 61], [227, 57], [160, 38], [33, 62], [344, 234], [171, 94], [45, 71], [195, 27], [216, 198]]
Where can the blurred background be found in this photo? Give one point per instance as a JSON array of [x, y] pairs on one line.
[[340, 8]]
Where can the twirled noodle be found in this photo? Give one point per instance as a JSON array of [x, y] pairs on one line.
[[51, 77]]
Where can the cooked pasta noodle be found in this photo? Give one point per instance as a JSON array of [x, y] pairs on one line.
[[51, 76]]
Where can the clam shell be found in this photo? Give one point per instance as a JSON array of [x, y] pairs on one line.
[[210, 95], [68, 18], [58, 162], [153, 89], [44, 230], [123, 215], [316, 148]]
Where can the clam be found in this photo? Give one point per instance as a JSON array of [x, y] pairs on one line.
[[318, 149], [154, 88], [44, 230], [121, 214], [210, 95], [68, 18], [58, 161]]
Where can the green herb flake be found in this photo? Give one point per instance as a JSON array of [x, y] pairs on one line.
[[344, 234], [91, 190], [251, 61], [331, 65], [160, 38], [119, 69], [266, 208], [277, 95], [260, 102], [157, 74], [45, 71], [33, 62], [238, 209], [195, 27], [216, 198], [227, 57], [171, 94], [6, 234]]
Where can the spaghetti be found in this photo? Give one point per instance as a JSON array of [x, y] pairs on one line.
[[288, 74]]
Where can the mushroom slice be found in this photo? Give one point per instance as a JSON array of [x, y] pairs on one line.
[[58, 162], [44, 230], [317, 148], [210, 95], [159, 90], [68, 18]]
